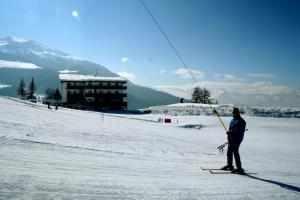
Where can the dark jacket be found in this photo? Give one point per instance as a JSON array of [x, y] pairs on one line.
[[236, 130]]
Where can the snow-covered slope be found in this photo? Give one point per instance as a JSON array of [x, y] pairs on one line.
[[224, 110], [71, 154]]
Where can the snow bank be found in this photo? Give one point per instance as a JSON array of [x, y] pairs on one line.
[[223, 110]]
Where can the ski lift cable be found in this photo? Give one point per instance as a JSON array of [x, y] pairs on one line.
[[168, 40]]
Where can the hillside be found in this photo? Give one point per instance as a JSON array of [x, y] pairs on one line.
[[50, 62], [72, 154]]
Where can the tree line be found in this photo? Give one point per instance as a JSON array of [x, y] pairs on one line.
[[29, 92]]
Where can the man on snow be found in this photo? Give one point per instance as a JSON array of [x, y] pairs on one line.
[[235, 137]]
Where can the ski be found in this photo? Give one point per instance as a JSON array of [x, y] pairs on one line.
[[207, 169], [229, 172]]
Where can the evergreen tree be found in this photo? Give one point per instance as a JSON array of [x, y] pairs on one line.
[[206, 96], [31, 90], [22, 89], [50, 93], [57, 95], [196, 95], [201, 95]]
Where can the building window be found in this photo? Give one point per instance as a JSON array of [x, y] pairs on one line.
[[90, 100]]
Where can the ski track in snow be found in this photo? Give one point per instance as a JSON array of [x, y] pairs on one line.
[[71, 154]]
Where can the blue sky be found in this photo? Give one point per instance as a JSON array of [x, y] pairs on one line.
[[234, 43]]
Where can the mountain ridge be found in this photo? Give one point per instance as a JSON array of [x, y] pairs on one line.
[[51, 61]]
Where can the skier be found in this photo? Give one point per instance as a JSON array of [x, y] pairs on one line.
[[235, 137]]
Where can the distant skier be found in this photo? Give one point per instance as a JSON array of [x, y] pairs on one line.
[[235, 137]]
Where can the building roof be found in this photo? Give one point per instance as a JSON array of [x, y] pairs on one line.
[[78, 77]]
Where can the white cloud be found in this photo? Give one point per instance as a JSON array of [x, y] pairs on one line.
[[127, 75], [4, 86], [66, 71], [217, 76], [229, 77], [17, 64], [125, 60], [162, 71], [185, 73], [267, 75], [184, 91], [218, 88]]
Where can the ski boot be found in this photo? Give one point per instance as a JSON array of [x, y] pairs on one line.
[[227, 168], [238, 171]]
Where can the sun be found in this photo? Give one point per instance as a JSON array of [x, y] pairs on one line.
[[75, 13]]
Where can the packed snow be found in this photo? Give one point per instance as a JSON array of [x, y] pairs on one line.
[[73, 154]]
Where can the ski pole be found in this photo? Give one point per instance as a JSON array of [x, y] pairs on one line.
[[220, 119], [221, 147]]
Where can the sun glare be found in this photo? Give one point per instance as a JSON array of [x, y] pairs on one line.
[[75, 13]]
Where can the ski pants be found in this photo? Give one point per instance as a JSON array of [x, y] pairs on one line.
[[233, 149]]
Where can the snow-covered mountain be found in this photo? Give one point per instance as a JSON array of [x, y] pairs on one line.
[[22, 58], [16, 45], [29, 51]]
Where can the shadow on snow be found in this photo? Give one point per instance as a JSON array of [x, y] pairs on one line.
[[283, 185]]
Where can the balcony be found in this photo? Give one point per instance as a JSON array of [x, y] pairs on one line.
[[116, 87], [106, 95]]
